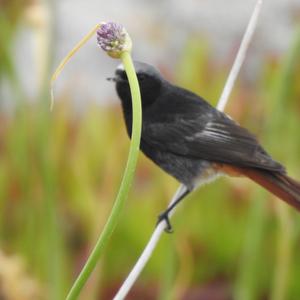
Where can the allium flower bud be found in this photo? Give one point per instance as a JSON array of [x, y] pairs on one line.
[[113, 39]]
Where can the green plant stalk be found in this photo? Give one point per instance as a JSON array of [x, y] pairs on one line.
[[284, 253], [126, 181], [247, 285], [286, 233]]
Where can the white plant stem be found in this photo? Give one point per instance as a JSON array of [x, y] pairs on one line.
[[147, 253], [140, 264], [240, 57]]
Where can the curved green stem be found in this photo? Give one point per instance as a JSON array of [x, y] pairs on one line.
[[125, 184]]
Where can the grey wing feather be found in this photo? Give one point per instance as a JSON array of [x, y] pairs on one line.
[[217, 139]]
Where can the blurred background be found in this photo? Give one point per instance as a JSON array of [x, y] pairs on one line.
[[60, 170]]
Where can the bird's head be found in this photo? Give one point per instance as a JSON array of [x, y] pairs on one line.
[[150, 82]]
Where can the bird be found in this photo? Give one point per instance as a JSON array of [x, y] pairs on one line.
[[194, 142]]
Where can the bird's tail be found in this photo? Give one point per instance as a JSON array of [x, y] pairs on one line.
[[278, 184]]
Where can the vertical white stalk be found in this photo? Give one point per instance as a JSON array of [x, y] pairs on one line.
[[140, 264], [240, 57]]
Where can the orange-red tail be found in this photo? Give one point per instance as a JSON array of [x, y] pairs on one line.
[[278, 184]]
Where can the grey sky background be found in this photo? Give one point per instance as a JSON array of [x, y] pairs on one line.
[[159, 29]]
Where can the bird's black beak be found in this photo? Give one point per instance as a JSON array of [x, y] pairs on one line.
[[120, 76]]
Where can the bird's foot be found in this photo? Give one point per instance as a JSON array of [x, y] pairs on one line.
[[164, 216]]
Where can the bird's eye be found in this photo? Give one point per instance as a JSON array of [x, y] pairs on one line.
[[123, 75], [141, 77]]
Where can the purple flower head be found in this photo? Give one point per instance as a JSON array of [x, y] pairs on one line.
[[113, 39]]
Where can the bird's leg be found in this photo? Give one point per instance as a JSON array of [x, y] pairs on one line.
[[164, 216]]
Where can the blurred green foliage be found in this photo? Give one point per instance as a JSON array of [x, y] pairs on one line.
[[59, 173]]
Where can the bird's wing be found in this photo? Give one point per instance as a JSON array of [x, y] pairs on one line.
[[212, 136]]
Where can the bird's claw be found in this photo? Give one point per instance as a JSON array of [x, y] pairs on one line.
[[165, 217]]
